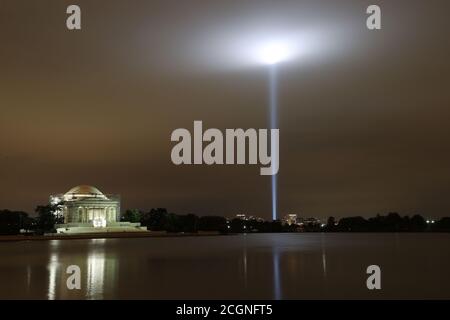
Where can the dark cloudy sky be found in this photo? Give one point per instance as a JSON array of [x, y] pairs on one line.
[[364, 115]]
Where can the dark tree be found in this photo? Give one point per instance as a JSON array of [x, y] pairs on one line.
[[442, 225], [132, 215], [46, 219], [393, 222], [353, 224], [212, 223], [331, 224], [238, 225], [417, 223], [276, 226], [11, 222], [188, 223], [155, 220], [172, 223]]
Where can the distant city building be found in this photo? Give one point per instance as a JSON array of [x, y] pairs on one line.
[[85, 209], [259, 219], [290, 219], [244, 217], [293, 218], [311, 221]]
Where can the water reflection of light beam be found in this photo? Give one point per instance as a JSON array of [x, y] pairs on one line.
[[28, 278], [245, 266], [276, 274], [324, 257]]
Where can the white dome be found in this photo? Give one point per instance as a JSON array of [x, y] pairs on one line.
[[83, 191]]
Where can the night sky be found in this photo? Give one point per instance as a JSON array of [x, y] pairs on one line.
[[363, 114]]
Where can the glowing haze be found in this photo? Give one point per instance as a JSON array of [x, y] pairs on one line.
[[362, 114]]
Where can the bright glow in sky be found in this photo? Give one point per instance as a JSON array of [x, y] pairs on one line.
[[271, 48], [274, 52], [231, 49]]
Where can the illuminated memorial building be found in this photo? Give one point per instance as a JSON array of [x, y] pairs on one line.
[[86, 209]]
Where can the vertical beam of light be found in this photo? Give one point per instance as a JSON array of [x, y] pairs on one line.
[[273, 116]]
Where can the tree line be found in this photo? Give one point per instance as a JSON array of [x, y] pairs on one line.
[[159, 219], [16, 222]]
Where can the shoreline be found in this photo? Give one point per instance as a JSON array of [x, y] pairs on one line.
[[109, 235], [159, 234]]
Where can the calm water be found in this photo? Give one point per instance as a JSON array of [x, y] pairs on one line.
[[258, 266]]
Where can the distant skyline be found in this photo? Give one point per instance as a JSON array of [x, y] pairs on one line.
[[363, 114]]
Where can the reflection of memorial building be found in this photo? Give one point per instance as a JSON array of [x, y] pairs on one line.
[[99, 272], [86, 209]]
